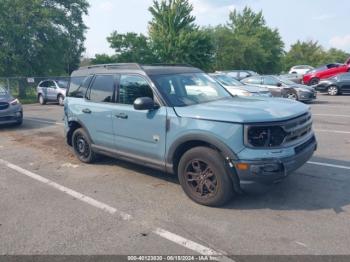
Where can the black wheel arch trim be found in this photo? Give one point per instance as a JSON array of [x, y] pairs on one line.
[[70, 131], [204, 138], [224, 150]]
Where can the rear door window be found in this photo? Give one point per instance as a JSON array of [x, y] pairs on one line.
[[102, 89], [270, 81]]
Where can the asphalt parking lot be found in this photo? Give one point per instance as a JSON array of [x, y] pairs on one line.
[[52, 204]]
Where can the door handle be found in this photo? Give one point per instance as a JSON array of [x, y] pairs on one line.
[[122, 116], [86, 111]]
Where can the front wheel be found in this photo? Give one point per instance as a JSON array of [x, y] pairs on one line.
[[292, 96], [82, 146], [204, 178], [333, 90], [42, 101]]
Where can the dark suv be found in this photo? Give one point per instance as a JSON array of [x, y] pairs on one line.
[[180, 120]]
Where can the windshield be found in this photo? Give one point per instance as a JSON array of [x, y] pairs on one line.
[[286, 81], [189, 89], [227, 81], [3, 91]]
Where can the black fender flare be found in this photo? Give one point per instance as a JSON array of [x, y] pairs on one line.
[[69, 133]]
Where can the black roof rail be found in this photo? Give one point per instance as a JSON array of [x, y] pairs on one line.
[[164, 64], [114, 66]]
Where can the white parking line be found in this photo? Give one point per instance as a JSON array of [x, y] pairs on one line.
[[332, 131], [329, 165], [66, 190], [200, 249], [186, 243], [331, 115], [44, 121]]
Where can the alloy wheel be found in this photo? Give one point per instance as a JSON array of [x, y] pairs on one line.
[[201, 179]]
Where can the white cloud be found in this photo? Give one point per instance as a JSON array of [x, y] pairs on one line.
[[342, 42], [210, 12], [106, 6], [323, 17]]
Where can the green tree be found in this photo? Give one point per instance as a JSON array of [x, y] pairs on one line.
[[336, 55], [175, 37], [246, 42], [304, 53], [41, 37], [132, 47]]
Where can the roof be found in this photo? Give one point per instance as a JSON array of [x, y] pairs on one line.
[[157, 69]]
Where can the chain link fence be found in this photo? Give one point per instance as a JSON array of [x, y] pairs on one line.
[[24, 88]]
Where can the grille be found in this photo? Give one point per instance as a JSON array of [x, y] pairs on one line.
[[298, 127], [279, 133], [4, 105]]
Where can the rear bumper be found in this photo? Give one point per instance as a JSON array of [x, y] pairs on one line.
[[274, 170]]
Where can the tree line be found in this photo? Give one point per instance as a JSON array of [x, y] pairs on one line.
[[244, 42], [46, 37]]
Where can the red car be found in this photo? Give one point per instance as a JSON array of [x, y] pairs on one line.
[[314, 76]]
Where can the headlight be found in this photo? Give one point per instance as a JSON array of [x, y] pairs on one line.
[[14, 102], [305, 90], [264, 136]]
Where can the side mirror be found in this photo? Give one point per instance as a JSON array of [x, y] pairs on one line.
[[145, 103], [279, 84]]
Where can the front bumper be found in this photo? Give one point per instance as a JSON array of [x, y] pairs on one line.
[[274, 170], [13, 114], [307, 96]]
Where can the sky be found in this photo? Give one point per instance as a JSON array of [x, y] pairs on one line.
[[323, 20]]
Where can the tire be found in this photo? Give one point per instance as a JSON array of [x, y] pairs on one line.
[[314, 81], [292, 96], [333, 90], [204, 178], [20, 121], [41, 99], [82, 146], [60, 100]]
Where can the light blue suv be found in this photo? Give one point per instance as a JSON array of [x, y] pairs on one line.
[[178, 119]]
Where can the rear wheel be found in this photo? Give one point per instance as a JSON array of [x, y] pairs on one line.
[[204, 178], [333, 90], [60, 100], [42, 101], [314, 81], [82, 146]]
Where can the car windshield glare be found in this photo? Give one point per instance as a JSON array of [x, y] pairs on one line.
[[63, 84], [181, 90], [227, 81], [286, 81]]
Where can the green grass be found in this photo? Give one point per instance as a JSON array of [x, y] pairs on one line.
[[30, 98]]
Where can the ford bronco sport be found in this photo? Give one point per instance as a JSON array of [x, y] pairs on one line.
[[178, 119]]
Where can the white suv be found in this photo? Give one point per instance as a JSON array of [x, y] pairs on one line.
[[52, 91], [300, 69]]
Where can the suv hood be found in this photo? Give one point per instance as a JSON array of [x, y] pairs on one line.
[[245, 110]]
